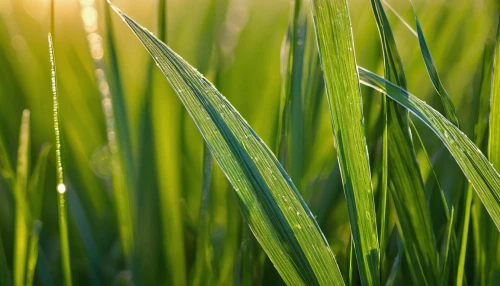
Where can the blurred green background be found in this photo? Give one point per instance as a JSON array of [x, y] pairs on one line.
[[246, 37]]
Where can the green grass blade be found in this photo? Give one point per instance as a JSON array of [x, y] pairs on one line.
[[407, 186], [61, 187], [116, 128], [21, 228], [122, 129], [203, 263], [485, 235], [494, 139], [6, 169], [278, 217], [291, 110], [35, 198], [33, 251], [336, 49], [465, 237], [37, 182], [446, 249], [166, 188], [481, 174], [449, 108], [4, 270]]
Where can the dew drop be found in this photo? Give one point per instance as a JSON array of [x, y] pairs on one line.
[[61, 188]]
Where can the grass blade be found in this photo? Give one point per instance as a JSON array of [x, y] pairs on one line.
[[33, 252], [203, 264], [277, 215], [449, 108], [21, 228], [446, 249], [4, 270], [37, 182], [291, 109], [35, 195], [481, 174], [61, 187], [494, 139], [6, 169], [405, 181], [113, 104], [334, 35]]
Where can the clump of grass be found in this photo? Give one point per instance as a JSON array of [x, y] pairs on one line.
[[201, 199]]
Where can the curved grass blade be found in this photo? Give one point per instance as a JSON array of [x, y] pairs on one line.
[[21, 227], [406, 183], [449, 108], [61, 187], [336, 49], [481, 174], [277, 215]]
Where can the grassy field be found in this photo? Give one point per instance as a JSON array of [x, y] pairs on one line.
[[249, 142]]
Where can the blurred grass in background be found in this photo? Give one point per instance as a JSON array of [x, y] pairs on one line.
[[236, 44]]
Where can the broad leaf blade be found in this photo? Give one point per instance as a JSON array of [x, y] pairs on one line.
[[481, 174], [277, 215], [336, 48]]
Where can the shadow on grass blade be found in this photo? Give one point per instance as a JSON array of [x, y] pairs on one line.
[[277, 215]]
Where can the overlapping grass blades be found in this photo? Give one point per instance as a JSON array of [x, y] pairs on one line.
[[484, 231], [28, 194], [336, 49], [481, 174], [291, 110], [404, 179], [277, 215]]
